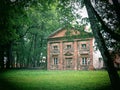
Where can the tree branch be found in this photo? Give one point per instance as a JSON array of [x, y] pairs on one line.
[[108, 30], [117, 8]]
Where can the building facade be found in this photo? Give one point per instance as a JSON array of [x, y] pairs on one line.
[[65, 54], [97, 58]]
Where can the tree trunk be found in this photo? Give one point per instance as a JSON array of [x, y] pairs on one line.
[[35, 50], [1, 58], [29, 59], [22, 61], [17, 60], [9, 55], [113, 75]]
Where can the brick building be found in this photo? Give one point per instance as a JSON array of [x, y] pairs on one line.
[[66, 53]]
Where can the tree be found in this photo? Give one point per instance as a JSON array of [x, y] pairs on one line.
[[7, 34], [16, 27], [32, 35], [114, 77]]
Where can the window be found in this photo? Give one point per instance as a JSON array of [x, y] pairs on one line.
[[55, 47], [84, 60], [83, 45], [68, 46], [55, 60], [100, 59]]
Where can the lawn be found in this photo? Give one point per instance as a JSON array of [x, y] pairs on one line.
[[54, 80]]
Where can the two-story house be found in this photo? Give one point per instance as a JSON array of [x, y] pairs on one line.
[[70, 53]]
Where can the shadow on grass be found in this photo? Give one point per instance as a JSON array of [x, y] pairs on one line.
[[6, 86]]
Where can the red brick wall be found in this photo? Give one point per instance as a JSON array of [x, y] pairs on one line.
[[75, 54]]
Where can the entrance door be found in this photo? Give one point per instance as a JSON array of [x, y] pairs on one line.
[[68, 62]]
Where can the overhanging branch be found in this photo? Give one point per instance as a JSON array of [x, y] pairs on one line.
[[114, 35]]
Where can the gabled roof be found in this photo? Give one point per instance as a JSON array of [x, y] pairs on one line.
[[61, 32], [55, 32]]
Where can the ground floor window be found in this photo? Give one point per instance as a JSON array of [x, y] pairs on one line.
[[55, 60], [84, 60]]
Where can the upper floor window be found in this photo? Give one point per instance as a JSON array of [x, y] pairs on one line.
[[84, 60], [55, 47], [100, 59], [68, 46], [83, 45]]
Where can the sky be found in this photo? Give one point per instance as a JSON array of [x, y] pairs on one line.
[[84, 12]]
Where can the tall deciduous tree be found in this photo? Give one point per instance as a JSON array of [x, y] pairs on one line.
[[41, 22], [114, 77], [17, 24]]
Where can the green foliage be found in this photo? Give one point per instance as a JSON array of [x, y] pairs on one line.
[[39, 21], [82, 35]]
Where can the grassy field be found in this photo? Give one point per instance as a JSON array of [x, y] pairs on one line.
[[54, 80]]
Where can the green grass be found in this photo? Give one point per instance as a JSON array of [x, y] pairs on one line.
[[54, 80]]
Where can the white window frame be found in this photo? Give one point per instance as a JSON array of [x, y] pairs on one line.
[[55, 47], [69, 46], [55, 60], [84, 60]]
